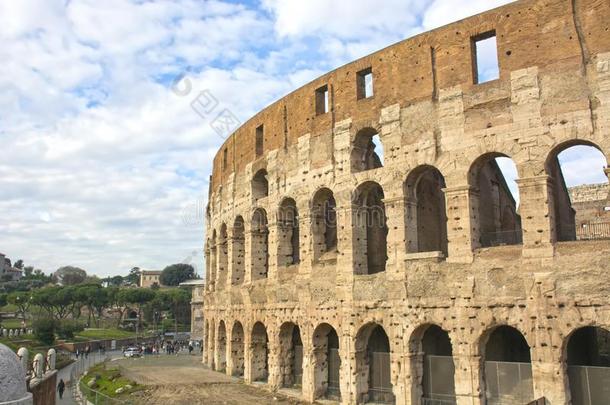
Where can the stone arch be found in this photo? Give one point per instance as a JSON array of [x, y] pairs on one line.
[[327, 362], [259, 353], [260, 184], [223, 254], [237, 349], [365, 153], [259, 250], [587, 358], [221, 347], [426, 211], [567, 224], [432, 366], [507, 368], [238, 252], [370, 229], [324, 223], [373, 365], [290, 355], [288, 233], [491, 199]]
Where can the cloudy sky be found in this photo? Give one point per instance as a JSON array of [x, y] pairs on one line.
[[104, 164]]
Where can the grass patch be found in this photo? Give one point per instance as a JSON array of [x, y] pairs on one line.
[[11, 323], [109, 379], [98, 334]]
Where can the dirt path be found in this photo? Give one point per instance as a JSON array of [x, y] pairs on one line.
[[183, 380]]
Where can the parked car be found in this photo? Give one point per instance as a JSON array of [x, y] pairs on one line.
[[131, 352]]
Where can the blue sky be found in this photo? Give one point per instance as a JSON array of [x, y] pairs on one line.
[[104, 164]]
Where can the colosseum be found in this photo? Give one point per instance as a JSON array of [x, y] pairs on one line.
[[362, 242]]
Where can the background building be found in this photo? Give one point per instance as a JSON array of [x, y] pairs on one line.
[[197, 291], [149, 277]]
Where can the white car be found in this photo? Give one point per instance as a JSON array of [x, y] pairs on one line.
[[131, 352]]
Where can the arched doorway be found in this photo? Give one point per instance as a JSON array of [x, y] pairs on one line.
[[259, 347], [260, 245], [495, 199], [370, 229], [291, 356], [213, 258], [260, 185], [426, 213], [327, 362], [288, 233], [324, 223], [221, 347], [223, 249], [588, 360], [237, 252], [579, 192], [508, 367], [373, 364], [237, 350], [367, 151]]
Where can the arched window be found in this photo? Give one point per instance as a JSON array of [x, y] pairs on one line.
[[221, 347], [237, 349], [494, 200], [260, 184], [213, 258], [259, 360], [237, 253], [373, 364], [327, 362], [370, 229], [324, 223], [580, 205], [588, 358], [426, 213], [508, 367], [223, 249], [291, 355], [288, 233], [367, 151], [260, 245]]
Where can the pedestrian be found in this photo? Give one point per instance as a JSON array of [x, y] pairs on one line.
[[61, 387], [190, 349], [77, 354]]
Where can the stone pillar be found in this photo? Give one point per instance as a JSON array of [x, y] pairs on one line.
[[273, 348], [248, 355], [13, 388], [468, 378], [537, 218], [308, 384], [397, 228], [460, 234], [229, 369], [272, 246], [348, 371], [412, 243], [550, 380], [400, 378]]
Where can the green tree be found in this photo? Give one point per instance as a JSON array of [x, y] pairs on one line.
[[18, 264], [3, 300], [137, 297], [22, 300], [134, 276], [27, 271], [44, 330], [70, 275], [174, 274], [58, 301]]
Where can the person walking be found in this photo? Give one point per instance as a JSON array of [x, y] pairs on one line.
[[61, 387]]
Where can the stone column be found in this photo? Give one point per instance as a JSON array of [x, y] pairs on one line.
[[248, 354], [229, 369], [397, 228], [273, 359], [460, 203], [308, 383], [272, 246], [401, 381], [537, 218], [468, 378]]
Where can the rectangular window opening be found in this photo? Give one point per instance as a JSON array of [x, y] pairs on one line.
[[224, 159], [322, 100], [259, 140], [485, 66], [364, 81]]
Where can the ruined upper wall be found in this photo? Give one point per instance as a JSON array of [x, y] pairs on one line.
[[550, 34]]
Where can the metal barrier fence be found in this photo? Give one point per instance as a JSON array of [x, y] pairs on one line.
[[589, 385], [593, 230], [438, 380], [380, 387], [501, 238], [508, 383], [334, 363], [298, 365]]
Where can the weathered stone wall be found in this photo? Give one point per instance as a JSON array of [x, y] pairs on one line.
[[553, 92]]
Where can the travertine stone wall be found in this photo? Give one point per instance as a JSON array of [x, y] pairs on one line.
[[553, 92]]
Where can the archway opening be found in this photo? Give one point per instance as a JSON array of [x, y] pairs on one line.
[[367, 151], [426, 213], [237, 252], [213, 258], [260, 184], [494, 199], [237, 350], [324, 224], [438, 383], [508, 367], [291, 356], [327, 363], [221, 347], [259, 245], [579, 192], [259, 347], [370, 230], [288, 233], [588, 358], [373, 363], [223, 252]]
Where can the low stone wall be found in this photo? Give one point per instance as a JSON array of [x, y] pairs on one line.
[[106, 344], [43, 390]]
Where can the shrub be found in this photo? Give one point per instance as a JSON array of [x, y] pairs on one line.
[[67, 328], [44, 330]]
